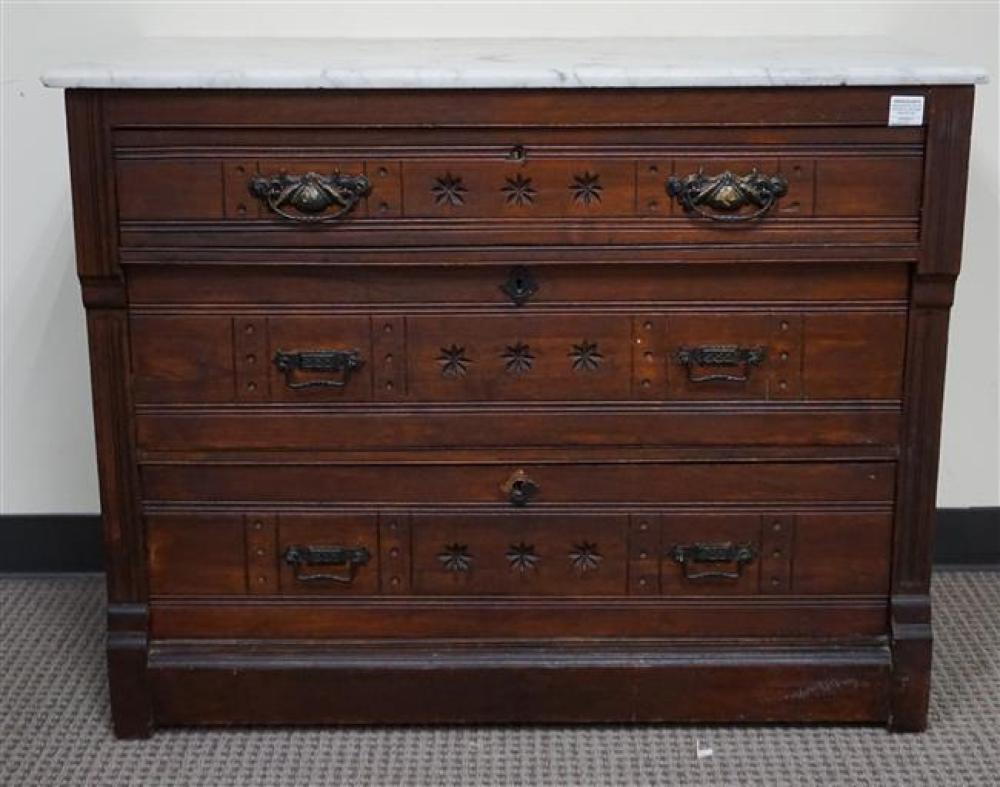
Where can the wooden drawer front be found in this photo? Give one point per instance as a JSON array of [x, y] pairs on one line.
[[191, 554], [547, 184], [843, 355], [526, 553], [236, 359], [263, 553], [378, 287], [779, 552], [285, 480], [650, 554], [520, 356]]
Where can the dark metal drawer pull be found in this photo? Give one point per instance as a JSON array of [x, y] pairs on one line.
[[343, 362], [310, 194], [728, 193], [302, 556], [519, 488], [520, 285], [720, 355], [691, 555]]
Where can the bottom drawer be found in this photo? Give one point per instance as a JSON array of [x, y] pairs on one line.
[[519, 553]]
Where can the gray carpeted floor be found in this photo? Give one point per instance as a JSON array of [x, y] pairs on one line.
[[54, 724]]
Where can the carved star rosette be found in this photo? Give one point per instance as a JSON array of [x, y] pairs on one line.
[[584, 557], [448, 189], [454, 362], [521, 557], [455, 558], [586, 188], [518, 358], [585, 356], [519, 191]]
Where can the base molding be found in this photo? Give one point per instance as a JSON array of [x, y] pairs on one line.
[[128, 677], [394, 683], [912, 644]]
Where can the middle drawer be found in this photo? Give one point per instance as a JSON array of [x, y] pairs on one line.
[[684, 354]]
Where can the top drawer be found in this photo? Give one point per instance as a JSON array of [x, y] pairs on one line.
[[617, 168], [517, 193]]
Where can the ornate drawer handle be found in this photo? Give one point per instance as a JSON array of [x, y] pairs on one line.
[[301, 556], [519, 488], [690, 555], [343, 362], [310, 194], [727, 193], [520, 285], [720, 355]]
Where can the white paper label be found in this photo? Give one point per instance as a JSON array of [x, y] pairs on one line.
[[906, 111]]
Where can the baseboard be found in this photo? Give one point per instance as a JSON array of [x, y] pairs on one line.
[[967, 537], [45, 543]]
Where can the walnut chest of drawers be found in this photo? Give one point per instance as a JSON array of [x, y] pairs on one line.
[[517, 405]]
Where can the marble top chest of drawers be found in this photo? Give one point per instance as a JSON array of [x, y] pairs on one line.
[[494, 402]]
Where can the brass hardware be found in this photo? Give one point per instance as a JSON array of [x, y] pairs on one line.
[[727, 193], [690, 555], [343, 362], [519, 488], [520, 285], [310, 194], [720, 355], [352, 557]]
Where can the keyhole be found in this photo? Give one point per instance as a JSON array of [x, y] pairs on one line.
[[517, 153]]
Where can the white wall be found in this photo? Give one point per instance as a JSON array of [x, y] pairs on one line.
[[47, 444]]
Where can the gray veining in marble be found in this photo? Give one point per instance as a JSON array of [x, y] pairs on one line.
[[512, 63]]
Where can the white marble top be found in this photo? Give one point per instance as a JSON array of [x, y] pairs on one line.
[[512, 63]]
